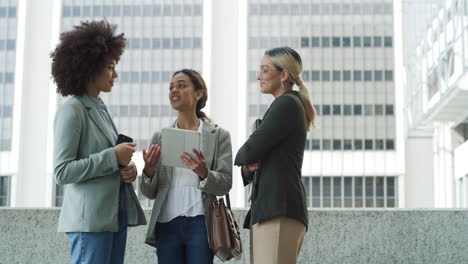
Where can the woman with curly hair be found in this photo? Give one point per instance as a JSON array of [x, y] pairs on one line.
[[99, 201]]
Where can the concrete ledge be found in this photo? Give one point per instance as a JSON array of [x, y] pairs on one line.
[[334, 236]]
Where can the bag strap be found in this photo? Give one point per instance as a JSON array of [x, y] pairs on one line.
[[213, 166], [228, 201]]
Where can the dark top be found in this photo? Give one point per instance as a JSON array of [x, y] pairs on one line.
[[279, 143]]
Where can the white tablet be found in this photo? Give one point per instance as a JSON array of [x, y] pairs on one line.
[[174, 141]]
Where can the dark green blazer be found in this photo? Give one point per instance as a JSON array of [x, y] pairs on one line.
[[279, 143]]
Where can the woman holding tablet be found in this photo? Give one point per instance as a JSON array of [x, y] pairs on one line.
[[178, 226]]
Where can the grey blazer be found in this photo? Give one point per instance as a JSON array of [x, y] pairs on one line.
[[218, 154], [85, 160]]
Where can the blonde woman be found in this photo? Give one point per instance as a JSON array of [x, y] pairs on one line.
[[278, 214]]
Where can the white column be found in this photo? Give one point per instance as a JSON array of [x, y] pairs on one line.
[[225, 62], [419, 178], [33, 101]]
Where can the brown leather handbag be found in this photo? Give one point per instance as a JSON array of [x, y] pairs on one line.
[[225, 234]]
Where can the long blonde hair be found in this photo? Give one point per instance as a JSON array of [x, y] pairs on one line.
[[286, 58]]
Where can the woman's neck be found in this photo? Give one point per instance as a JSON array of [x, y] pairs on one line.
[[91, 91], [187, 121], [281, 91]]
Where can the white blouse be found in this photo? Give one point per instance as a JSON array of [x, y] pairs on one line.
[[184, 198]]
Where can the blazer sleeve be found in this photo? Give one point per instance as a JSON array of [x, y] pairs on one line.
[[149, 185], [219, 179], [68, 168], [282, 118]]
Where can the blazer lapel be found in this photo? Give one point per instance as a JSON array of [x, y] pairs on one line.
[[209, 143], [97, 119]]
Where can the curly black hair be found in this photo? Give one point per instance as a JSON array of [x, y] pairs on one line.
[[83, 53]]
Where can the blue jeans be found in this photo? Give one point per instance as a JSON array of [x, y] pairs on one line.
[[101, 247], [183, 240]]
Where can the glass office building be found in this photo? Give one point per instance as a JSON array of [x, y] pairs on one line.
[[8, 25]]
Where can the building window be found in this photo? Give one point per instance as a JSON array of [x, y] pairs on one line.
[[96, 11], [117, 10], [325, 42], [347, 109], [336, 109], [367, 41], [390, 144], [106, 11], [389, 109], [4, 190], [358, 109], [315, 144], [11, 44], [156, 43], [356, 42], [325, 75], [336, 144], [367, 75], [350, 191], [358, 144], [379, 144], [66, 11], [378, 109], [347, 144], [346, 42], [378, 75], [357, 75], [388, 42], [145, 43], [368, 109], [368, 144], [315, 75], [326, 144], [336, 75], [346, 75], [336, 41], [155, 77], [378, 42], [317, 109], [315, 42], [326, 109], [304, 42], [389, 75]]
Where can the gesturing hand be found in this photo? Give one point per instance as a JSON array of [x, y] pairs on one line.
[[151, 158], [128, 174], [197, 165]]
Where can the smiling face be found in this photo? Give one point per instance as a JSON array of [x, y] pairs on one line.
[[182, 94], [104, 81], [269, 76]]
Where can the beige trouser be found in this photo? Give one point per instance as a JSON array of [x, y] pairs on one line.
[[276, 241]]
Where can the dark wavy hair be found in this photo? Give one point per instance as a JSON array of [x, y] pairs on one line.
[[199, 84], [83, 53]]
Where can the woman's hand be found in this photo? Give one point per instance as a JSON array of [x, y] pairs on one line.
[[249, 169], [151, 158], [197, 165], [124, 152], [129, 173]]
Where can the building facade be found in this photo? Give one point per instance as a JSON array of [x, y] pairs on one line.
[[348, 58], [436, 96]]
